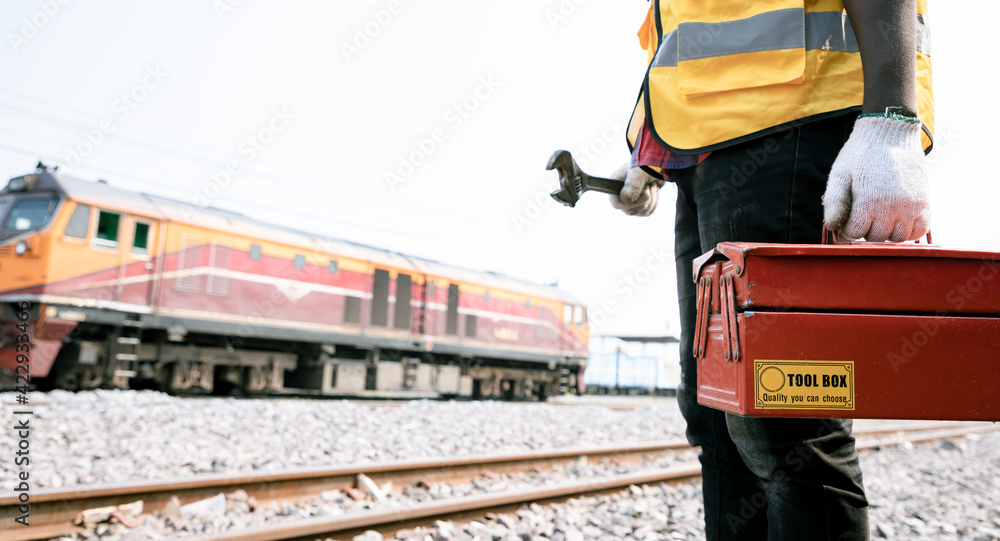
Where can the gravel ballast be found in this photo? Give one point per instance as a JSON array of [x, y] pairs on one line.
[[99, 437], [947, 490], [938, 490]]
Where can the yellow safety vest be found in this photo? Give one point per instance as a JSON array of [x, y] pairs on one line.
[[725, 71]]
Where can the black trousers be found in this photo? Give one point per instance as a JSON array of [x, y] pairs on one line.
[[777, 479]]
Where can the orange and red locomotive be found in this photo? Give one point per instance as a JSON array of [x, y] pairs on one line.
[[134, 289]]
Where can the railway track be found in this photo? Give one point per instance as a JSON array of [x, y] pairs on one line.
[[53, 511]]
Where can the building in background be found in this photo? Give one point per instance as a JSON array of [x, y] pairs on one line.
[[633, 365]]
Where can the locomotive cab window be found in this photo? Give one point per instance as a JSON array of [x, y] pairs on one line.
[[107, 228], [332, 267], [578, 315], [140, 238], [567, 313], [300, 262], [79, 222], [30, 214], [255, 252]]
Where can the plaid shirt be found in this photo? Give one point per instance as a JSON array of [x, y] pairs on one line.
[[650, 153]]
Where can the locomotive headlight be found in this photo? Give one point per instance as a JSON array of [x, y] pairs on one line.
[[21, 247], [21, 184]]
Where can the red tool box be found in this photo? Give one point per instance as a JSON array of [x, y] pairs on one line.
[[866, 330]]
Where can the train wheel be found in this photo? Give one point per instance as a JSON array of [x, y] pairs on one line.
[[118, 381], [190, 376], [509, 389], [78, 378], [541, 391], [256, 380]]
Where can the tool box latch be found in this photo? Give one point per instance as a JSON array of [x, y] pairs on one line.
[[703, 303], [730, 332]]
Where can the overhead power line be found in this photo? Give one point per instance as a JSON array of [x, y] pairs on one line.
[[249, 204], [284, 177]]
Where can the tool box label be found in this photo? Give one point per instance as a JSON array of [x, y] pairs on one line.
[[819, 385]]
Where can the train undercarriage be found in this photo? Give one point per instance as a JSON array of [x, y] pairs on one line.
[[128, 354]]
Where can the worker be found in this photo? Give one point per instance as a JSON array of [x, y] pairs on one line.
[[773, 118]]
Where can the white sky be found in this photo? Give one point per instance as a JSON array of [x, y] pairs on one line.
[[352, 90]]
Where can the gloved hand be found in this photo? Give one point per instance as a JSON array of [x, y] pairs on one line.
[[640, 194], [878, 185]]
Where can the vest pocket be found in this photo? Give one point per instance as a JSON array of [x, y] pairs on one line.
[[760, 50]]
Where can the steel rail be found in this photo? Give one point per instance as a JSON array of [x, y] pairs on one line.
[[470, 506], [924, 435], [387, 521], [912, 427], [53, 510]]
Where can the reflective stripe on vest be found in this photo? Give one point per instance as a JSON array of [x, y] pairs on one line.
[[725, 71], [825, 30]]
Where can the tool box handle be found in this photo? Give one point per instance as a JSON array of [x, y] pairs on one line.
[[831, 237]]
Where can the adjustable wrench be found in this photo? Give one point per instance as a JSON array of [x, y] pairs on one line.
[[573, 182]]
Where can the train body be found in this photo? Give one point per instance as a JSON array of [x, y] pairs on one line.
[[127, 289]]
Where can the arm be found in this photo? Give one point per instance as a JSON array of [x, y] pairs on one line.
[[886, 32], [878, 185]]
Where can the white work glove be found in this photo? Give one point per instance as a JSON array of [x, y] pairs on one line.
[[878, 185], [640, 194]]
